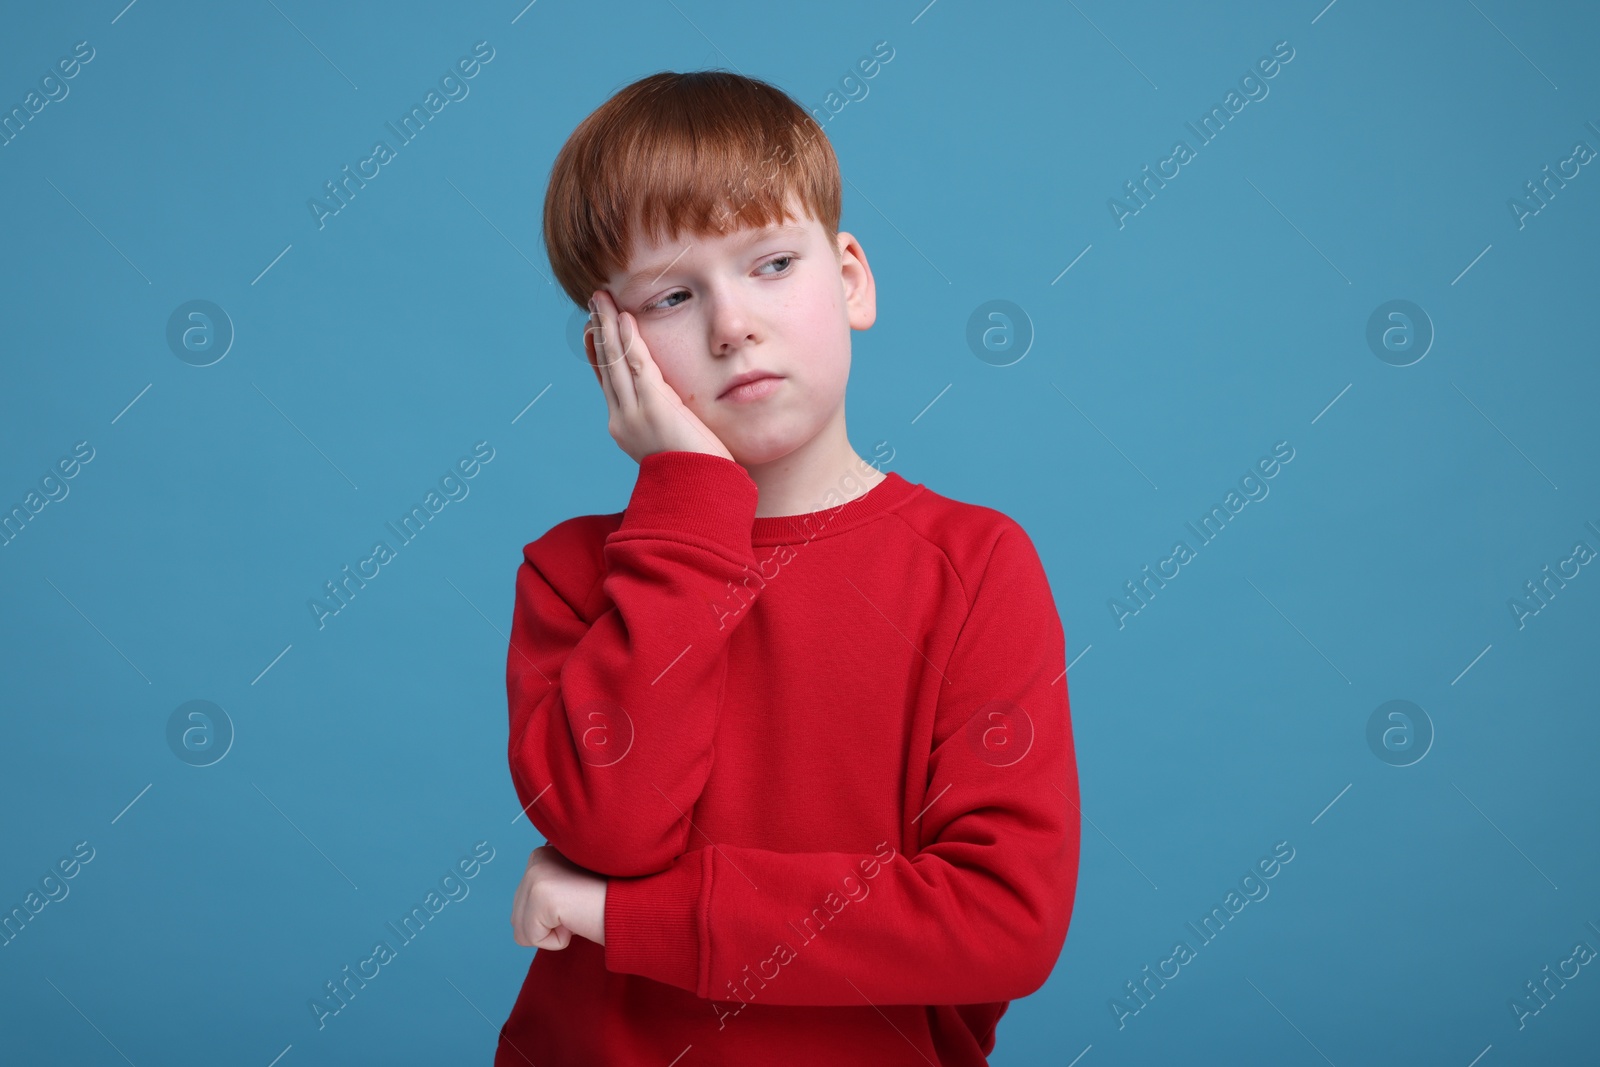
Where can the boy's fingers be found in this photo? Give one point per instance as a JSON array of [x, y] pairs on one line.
[[594, 336], [558, 937], [618, 345], [519, 932], [591, 338], [642, 366], [613, 359], [603, 334]]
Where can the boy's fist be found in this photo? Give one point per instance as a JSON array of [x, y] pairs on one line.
[[556, 901], [645, 414]]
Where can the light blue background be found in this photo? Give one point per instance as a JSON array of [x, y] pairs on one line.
[[1227, 315]]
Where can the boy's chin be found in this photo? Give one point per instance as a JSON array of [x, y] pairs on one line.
[[760, 452], [761, 442], [757, 457]]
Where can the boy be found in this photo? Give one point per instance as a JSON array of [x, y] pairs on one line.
[[795, 729]]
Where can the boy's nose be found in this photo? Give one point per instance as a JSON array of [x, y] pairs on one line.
[[731, 327]]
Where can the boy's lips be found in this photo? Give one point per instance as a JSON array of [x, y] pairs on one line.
[[752, 391], [733, 390]]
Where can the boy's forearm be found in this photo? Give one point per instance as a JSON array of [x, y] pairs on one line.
[[611, 742], [833, 927]]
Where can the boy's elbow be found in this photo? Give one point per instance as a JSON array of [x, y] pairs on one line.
[[615, 864], [1039, 943], [1041, 964], [1052, 939], [1029, 965], [605, 839], [610, 855]]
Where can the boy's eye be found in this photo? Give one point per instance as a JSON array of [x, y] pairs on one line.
[[780, 262], [662, 303]]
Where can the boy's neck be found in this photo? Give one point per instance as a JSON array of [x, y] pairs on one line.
[[822, 473]]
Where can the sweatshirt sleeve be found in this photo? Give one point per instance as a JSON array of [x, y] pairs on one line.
[[613, 717], [979, 914]]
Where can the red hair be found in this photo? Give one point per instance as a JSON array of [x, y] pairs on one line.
[[709, 152]]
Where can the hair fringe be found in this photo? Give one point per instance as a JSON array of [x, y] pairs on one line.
[[704, 152]]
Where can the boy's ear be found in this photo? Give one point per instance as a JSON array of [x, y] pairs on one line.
[[860, 292]]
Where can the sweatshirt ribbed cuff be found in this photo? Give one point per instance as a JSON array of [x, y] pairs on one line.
[[693, 493], [652, 924]]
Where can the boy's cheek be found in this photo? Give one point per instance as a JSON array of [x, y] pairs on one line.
[[688, 393], [693, 393]]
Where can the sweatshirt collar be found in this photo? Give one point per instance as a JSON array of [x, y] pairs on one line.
[[882, 498]]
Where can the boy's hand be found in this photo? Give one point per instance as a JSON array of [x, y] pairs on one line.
[[556, 901], [646, 414]]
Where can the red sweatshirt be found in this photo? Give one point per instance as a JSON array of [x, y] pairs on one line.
[[825, 762]]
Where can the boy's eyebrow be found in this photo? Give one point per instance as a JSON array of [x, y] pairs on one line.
[[654, 271]]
